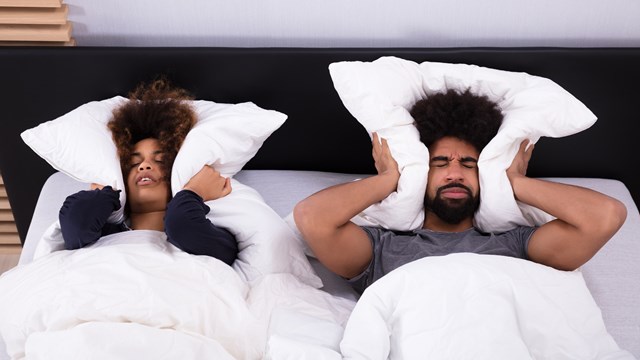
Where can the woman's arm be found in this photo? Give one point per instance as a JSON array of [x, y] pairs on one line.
[[188, 228], [186, 223], [83, 216]]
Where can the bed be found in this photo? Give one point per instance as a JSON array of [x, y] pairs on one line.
[[319, 144]]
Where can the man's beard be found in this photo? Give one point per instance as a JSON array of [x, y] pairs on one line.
[[452, 211]]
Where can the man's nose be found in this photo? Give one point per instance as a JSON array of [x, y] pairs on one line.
[[455, 173]]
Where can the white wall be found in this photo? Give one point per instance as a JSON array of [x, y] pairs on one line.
[[355, 23]]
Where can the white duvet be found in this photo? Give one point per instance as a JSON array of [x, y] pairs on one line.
[[133, 295], [468, 306]]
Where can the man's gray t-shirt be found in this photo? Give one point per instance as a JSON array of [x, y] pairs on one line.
[[392, 249]]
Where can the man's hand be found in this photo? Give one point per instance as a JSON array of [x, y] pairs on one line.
[[385, 164], [209, 184], [324, 218], [520, 162]]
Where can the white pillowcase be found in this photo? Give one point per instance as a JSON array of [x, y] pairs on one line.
[[379, 94], [266, 244], [225, 136], [80, 145]]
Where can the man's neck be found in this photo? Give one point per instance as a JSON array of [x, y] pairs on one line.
[[434, 223], [148, 221]]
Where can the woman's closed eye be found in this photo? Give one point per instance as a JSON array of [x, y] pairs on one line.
[[155, 157]]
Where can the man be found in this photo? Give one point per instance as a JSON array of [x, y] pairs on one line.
[[455, 127]]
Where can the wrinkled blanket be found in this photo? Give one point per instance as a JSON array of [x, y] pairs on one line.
[[133, 295], [468, 306]]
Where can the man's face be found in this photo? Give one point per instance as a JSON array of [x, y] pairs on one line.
[[147, 189], [452, 184]]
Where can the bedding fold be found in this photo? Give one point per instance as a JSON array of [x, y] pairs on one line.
[[134, 291], [470, 306]]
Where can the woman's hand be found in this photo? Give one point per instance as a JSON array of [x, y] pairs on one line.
[[209, 184], [96, 186]]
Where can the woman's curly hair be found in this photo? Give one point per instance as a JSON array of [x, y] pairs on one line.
[[158, 110], [464, 115]]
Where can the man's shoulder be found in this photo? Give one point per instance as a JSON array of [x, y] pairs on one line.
[[379, 230], [517, 231]]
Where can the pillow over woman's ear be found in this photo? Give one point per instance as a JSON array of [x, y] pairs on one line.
[[226, 136], [79, 144], [379, 94]]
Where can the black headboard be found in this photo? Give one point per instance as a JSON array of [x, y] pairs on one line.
[[41, 83]]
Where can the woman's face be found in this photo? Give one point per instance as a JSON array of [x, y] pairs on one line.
[[147, 190]]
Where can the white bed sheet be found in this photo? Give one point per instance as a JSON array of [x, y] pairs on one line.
[[610, 275]]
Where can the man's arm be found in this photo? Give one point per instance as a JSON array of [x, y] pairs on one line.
[[324, 218], [585, 219]]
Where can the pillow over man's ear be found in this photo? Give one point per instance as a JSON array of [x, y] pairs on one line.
[[379, 94]]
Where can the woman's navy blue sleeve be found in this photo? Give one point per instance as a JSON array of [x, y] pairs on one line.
[[83, 216], [188, 228]]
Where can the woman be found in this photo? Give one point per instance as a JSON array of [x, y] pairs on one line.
[[148, 131]]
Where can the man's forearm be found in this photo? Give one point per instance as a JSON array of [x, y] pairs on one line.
[[324, 218], [586, 220], [572, 204], [336, 205]]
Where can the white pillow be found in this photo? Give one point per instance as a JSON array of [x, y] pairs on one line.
[[226, 136], [379, 94], [79, 144], [266, 244]]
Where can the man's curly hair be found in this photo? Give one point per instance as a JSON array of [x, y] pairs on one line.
[[158, 110], [464, 115]]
